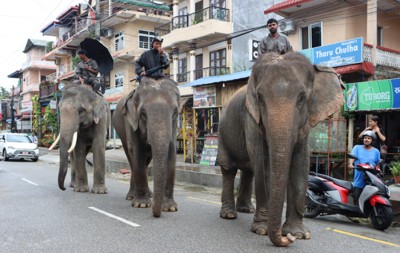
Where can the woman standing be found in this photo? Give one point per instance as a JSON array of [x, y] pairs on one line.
[[373, 125]]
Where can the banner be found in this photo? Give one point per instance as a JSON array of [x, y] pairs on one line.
[[204, 96], [373, 95]]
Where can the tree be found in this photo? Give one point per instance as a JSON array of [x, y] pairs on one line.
[[4, 93]]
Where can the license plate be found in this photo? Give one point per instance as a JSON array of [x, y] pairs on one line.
[[25, 153]]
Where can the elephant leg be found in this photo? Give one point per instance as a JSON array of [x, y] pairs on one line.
[[169, 204], [296, 192], [228, 210], [243, 202], [262, 191], [81, 179], [139, 182], [98, 149], [73, 173]]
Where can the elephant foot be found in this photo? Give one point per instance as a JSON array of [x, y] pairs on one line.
[[259, 227], [71, 184], [245, 208], [99, 189], [227, 212], [141, 203], [169, 206], [298, 230], [81, 188]]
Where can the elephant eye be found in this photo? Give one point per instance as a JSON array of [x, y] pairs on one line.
[[301, 98], [81, 109]]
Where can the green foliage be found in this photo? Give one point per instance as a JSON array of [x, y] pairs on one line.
[[49, 46], [395, 168], [75, 61], [49, 123], [36, 113], [4, 93]]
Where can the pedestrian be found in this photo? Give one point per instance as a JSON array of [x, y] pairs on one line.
[[154, 59], [86, 71], [365, 153], [373, 125], [274, 41], [34, 138]]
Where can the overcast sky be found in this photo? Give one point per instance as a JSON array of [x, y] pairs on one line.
[[22, 20]]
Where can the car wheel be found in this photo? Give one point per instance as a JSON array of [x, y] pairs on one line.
[[35, 159], [5, 155]]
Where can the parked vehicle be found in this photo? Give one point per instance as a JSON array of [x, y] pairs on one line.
[[18, 146], [327, 195]]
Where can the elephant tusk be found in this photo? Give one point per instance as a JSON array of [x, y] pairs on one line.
[[73, 144], [55, 142]]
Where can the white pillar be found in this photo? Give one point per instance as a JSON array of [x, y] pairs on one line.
[[350, 136], [192, 8], [175, 8], [372, 27], [175, 62], [192, 60]]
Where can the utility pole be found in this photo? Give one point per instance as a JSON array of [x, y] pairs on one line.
[[97, 25], [13, 123]]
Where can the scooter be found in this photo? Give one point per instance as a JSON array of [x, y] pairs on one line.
[[327, 195]]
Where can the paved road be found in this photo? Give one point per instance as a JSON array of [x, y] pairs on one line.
[[35, 216]]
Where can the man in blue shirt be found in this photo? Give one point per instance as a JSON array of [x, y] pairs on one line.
[[366, 153]]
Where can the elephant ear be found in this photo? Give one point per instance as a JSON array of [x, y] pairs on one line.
[[251, 100], [327, 95], [99, 109], [130, 110]]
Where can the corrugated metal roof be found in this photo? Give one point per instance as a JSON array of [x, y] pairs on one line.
[[284, 5], [218, 79]]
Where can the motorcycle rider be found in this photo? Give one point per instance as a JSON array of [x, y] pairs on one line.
[[155, 57], [366, 153]]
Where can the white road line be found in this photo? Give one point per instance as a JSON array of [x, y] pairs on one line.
[[114, 217], [26, 180]]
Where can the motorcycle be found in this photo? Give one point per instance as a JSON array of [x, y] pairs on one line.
[[327, 195]]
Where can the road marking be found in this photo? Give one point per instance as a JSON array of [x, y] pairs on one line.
[[364, 237], [26, 180], [205, 200], [114, 217]]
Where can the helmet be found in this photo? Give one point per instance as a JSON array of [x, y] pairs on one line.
[[370, 134], [159, 39]]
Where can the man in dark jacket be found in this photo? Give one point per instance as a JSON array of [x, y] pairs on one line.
[[155, 57]]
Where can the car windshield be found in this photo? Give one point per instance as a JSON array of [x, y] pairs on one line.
[[19, 138]]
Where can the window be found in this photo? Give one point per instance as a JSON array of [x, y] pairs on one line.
[[119, 41], [145, 38], [218, 62], [311, 36], [181, 20], [218, 3], [379, 39], [119, 79], [182, 70]]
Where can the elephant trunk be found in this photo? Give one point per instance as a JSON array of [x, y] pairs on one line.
[[280, 154], [66, 135], [160, 150]]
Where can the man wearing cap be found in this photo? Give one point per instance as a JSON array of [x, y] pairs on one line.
[[153, 58], [274, 42]]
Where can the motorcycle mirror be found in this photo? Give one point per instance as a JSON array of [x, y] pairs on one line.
[[352, 156]]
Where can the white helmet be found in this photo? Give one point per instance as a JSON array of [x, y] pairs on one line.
[[370, 134]]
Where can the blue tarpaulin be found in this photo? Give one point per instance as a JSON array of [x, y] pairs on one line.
[[218, 79]]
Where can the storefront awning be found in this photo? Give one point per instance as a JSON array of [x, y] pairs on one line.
[[366, 67], [218, 79], [285, 5]]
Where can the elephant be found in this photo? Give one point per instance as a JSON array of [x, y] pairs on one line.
[[146, 121], [264, 131], [84, 120]]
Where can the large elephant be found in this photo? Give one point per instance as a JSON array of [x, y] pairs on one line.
[[146, 121], [84, 119], [264, 132]]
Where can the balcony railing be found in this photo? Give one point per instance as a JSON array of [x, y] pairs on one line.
[[51, 78], [81, 25], [193, 19], [204, 72], [384, 56], [47, 89]]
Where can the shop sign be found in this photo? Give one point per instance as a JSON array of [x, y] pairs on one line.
[[210, 151], [204, 97], [338, 54], [373, 95], [26, 105], [53, 104]]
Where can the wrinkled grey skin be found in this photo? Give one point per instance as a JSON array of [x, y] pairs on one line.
[[87, 113], [146, 122], [264, 132]]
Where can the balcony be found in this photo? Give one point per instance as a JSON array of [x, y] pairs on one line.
[[38, 64], [47, 89], [204, 72], [385, 57], [204, 27]]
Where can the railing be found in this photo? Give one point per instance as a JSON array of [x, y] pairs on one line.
[[204, 72], [81, 25], [52, 77], [47, 89], [193, 19], [384, 56]]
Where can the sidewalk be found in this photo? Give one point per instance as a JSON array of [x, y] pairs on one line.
[[186, 172]]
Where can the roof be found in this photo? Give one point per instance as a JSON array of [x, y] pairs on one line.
[[218, 79], [284, 5], [145, 4], [35, 43]]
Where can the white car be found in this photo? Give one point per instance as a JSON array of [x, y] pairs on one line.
[[18, 146]]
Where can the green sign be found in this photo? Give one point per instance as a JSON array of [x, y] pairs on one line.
[[373, 95]]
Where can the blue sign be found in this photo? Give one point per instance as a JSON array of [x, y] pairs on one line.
[[338, 54]]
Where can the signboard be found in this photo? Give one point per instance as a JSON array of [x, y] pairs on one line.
[[210, 151], [373, 95], [53, 104], [338, 54], [26, 105], [204, 96], [253, 50]]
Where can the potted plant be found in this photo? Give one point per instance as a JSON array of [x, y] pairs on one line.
[[395, 169]]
